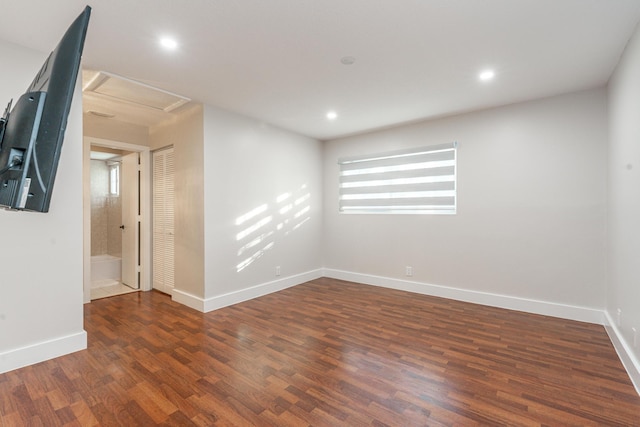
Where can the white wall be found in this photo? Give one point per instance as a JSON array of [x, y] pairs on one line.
[[531, 209], [248, 164], [41, 312], [623, 288]]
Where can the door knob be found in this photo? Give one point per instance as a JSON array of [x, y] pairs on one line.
[[122, 226]]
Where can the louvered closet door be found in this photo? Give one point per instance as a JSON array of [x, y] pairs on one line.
[[163, 214]]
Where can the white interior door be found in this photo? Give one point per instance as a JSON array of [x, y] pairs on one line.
[[163, 220], [129, 192]]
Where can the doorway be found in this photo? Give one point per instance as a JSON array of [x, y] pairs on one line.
[[116, 218]]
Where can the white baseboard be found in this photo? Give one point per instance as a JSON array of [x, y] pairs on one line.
[[190, 300], [220, 301], [39, 352], [564, 311], [625, 353]]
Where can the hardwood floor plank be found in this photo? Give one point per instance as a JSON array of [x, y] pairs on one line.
[[325, 353], [83, 414]]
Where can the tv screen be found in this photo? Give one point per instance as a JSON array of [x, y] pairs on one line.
[[31, 134]]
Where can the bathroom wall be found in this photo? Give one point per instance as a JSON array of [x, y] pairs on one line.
[[106, 213]]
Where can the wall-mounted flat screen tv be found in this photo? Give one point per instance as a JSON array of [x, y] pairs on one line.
[[32, 132]]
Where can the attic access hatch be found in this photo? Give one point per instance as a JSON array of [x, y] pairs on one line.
[[131, 91]]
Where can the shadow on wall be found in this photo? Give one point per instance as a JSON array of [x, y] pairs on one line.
[[261, 227]]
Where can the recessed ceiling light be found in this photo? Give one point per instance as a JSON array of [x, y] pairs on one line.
[[486, 75], [347, 60], [168, 43], [332, 115]]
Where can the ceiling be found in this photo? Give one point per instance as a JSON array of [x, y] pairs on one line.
[[279, 61]]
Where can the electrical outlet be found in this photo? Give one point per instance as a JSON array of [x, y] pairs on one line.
[[277, 270], [619, 318], [408, 271]]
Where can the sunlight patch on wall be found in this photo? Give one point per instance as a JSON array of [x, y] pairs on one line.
[[281, 198], [255, 242], [263, 226], [254, 227], [252, 213]]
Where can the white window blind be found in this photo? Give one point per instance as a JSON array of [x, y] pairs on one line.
[[416, 181]]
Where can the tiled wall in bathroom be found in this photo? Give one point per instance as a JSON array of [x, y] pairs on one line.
[[106, 213]]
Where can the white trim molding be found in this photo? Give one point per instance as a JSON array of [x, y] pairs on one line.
[[564, 311], [625, 353], [39, 352], [206, 305], [190, 300]]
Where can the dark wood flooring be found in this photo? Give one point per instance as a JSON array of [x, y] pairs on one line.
[[325, 353]]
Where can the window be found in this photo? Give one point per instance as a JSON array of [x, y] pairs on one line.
[[416, 181], [114, 179]]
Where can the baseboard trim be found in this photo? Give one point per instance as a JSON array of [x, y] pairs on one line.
[[625, 353], [190, 300], [39, 352], [225, 300], [582, 314]]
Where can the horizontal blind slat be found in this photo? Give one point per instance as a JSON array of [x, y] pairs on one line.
[[434, 186], [405, 201], [396, 161], [407, 174], [399, 210]]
